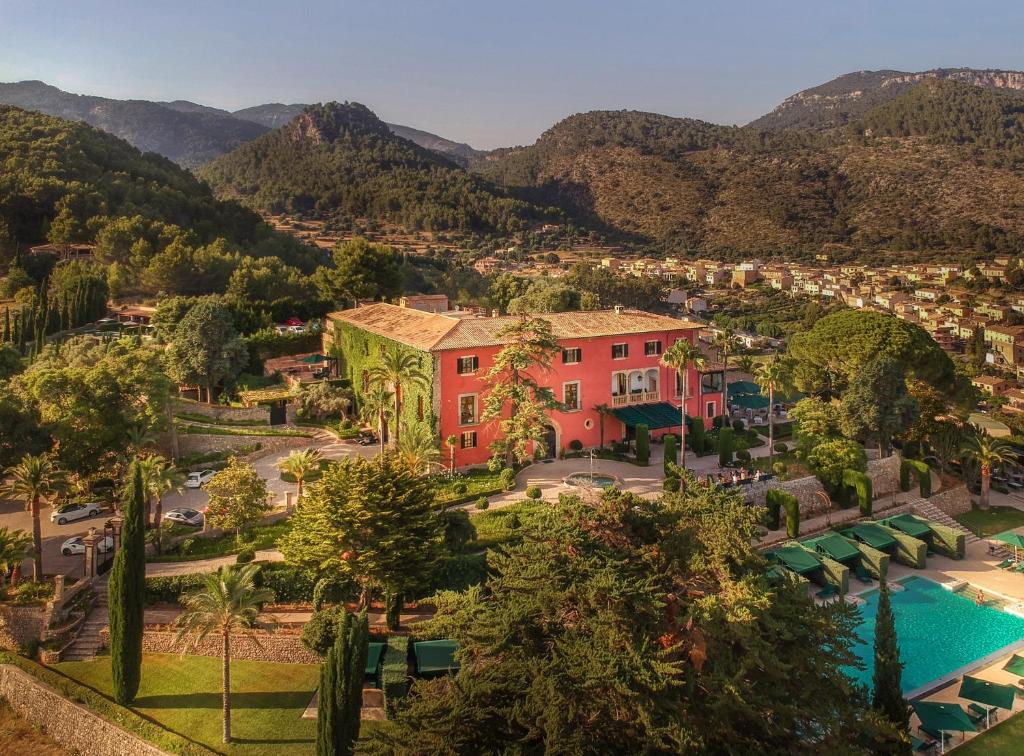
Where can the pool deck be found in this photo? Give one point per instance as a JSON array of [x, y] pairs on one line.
[[978, 568]]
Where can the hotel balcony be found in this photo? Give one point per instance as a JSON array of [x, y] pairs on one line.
[[636, 397]]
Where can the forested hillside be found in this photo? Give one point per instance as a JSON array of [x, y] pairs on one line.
[[156, 227], [188, 136], [341, 161], [934, 169]]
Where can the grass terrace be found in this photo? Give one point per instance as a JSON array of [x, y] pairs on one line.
[[183, 694], [193, 547], [479, 481], [995, 520], [1004, 739]]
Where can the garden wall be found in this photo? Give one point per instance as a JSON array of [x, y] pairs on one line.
[[189, 443], [806, 490], [20, 625], [75, 728], [271, 648], [953, 501], [219, 411]]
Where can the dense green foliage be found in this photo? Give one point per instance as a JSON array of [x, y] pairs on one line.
[[922, 474], [341, 688], [643, 444], [340, 160], [671, 456], [127, 592], [612, 628]]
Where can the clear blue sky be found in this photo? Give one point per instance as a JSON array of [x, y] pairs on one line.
[[493, 73]]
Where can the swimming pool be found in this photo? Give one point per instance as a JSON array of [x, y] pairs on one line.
[[939, 631]]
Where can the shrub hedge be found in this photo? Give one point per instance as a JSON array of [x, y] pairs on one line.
[[643, 444], [671, 455], [861, 484], [919, 469], [696, 437], [775, 500], [725, 447], [395, 673], [289, 584]]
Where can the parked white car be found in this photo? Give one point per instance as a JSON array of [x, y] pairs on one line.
[[69, 512], [198, 479], [76, 545], [184, 516]]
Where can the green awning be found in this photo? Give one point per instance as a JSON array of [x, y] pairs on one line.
[[736, 388], [871, 534], [835, 546], [654, 415], [313, 359], [907, 523], [748, 401], [1015, 666], [373, 657], [990, 693], [1014, 539], [795, 558], [775, 574], [942, 717], [436, 657]]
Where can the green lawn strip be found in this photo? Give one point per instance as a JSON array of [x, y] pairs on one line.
[[124, 718], [183, 695], [1004, 739], [259, 537], [197, 417], [995, 520], [224, 430], [479, 482], [500, 526]]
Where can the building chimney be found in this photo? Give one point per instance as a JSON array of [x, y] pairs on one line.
[[495, 313], [618, 309]]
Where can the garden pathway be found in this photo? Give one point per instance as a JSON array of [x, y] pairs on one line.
[[87, 641], [167, 569]]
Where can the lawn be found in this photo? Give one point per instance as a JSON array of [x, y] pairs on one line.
[[259, 537], [995, 520], [1004, 739], [495, 527], [479, 482], [182, 694]]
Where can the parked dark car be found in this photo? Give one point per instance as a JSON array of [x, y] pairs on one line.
[[366, 438]]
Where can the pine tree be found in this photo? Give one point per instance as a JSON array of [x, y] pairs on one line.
[[127, 592], [887, 682]]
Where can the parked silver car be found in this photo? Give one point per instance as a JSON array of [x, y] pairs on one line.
[[77, 546], [69, 512]]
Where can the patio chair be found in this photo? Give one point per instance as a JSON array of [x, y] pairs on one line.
[[975, 713], [982, 712], [945, 736], [862, 574]]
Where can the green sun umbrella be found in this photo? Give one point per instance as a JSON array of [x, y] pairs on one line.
[[988, 693], [942, 718], [1013, 539]]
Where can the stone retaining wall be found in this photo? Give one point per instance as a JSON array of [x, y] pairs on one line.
[[953, 501], [20, 625], [220, 412], [198, 443], [74, 727], [271, 647], [806, 490]]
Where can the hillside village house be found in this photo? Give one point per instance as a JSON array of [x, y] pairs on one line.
[[610, 357]]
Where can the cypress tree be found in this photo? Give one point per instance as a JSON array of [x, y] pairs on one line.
[[643, 444], [327, 723], [7, 326], [887, 682], [127, 592], [671, 455], [341, 688]]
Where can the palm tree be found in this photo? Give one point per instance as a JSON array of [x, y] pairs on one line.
[[603, 411], [15, 548], [681, 356], [418, 447], [376, 406], [745, 363], [137, 438], [774, 375], [988, 452], [168, 478], [726, 342], [227, 602], [33, 479], [150, 467], [451, 441], [299, 464], [395, 368]]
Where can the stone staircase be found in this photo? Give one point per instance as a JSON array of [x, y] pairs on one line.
[[87, 642], [929, 511]]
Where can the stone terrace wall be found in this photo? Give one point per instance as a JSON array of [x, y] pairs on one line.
[[953, 501], [806, 490], [75, 728], [190, 443], [271, 647], [220, 412], [19, 625]]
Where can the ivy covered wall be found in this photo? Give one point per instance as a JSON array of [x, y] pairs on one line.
[[358, 350]]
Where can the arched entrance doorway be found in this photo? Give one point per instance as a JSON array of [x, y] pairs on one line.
[[550, 441]]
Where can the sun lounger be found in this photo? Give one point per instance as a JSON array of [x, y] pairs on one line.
[[975, 713], [935, 735], [922, 746], [861, 573], [982, 712], [1019, 567], [1004, 564]]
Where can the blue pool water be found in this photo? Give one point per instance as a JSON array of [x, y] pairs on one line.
[[938, 631]]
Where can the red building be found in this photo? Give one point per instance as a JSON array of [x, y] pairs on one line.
[[608, 357]]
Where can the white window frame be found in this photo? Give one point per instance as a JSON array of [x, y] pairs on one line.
[[579, 396], [625, 349], [476, 364], [711, 408], [476, 409], [579, 355]]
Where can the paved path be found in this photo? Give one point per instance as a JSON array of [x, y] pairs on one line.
[[166, 569]]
